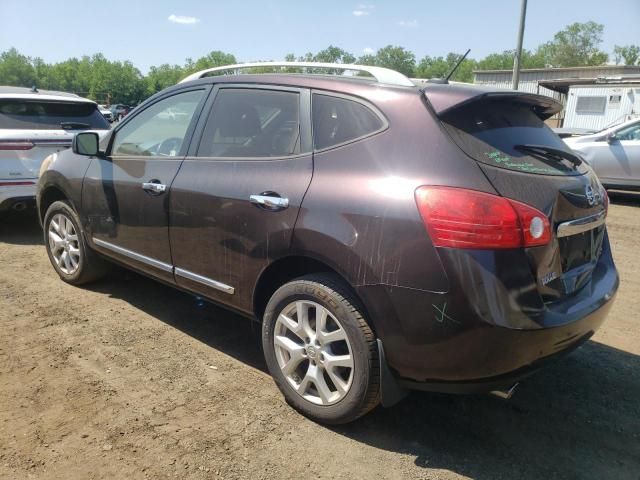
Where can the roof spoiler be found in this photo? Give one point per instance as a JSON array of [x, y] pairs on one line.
[[444, 100], [382, 75]]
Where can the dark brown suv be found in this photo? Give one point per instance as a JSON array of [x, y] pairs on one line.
[[387, 237]]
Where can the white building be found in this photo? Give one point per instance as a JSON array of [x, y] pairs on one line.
[[557, 82]]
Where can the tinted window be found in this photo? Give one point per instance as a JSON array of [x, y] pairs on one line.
[[159, 129], [252, 123], [489, 131], [629, 133], [337, 120], [39, 115]]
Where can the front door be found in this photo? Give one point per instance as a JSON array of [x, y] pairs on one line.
[[236, 198], [125, 195], [617, 161]]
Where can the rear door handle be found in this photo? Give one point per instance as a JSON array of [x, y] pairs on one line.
[[154, 186], [270, 202]]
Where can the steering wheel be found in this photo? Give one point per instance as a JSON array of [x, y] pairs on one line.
[[168, 146]]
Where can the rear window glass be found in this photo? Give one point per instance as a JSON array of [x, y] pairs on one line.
[[489, 132], [41, 115], [338, 120]]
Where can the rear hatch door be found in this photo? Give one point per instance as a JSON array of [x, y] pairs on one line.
[[31, 129], [499, 132]]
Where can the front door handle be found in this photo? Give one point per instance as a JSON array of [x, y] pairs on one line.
[[269, 202], [154, 186]]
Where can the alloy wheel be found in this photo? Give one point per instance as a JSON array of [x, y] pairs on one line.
[[313, 352], [64, 244]]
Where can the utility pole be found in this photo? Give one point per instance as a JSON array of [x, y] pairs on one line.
[[518, 56]]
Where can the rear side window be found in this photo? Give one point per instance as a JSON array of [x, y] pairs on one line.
[[50, 115], [252, 123], [338, 120], [489, 131]]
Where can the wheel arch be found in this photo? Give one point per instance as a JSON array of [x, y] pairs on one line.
[[288, 268], [47, 197]]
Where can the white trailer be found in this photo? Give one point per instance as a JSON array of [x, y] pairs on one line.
[[596, 107]]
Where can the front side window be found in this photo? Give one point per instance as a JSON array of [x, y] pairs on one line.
[[252, 123], [629, 133], [337, 120], [158, 130]]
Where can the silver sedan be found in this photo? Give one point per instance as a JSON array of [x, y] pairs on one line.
[[614, 154]]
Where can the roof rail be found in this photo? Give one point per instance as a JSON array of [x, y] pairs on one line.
[[382, 75]]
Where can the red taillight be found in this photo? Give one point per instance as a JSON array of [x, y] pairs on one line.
[[460, 218], [16, 145]]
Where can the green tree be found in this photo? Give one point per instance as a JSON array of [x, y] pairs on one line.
[[628, 54], [333, 54], [439, 67], [504, 60], [213, 59], [393, 57], [162, 77], [16, 69], [577, 45]]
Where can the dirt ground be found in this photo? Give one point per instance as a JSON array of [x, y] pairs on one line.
[[131, 379]]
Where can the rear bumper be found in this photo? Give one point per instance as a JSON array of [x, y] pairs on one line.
[[452, 342], [17, 197]]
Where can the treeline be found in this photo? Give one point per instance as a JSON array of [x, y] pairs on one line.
[[106, 81]]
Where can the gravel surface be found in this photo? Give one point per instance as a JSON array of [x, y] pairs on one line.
[[131, 379]]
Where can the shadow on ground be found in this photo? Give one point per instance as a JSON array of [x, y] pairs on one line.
[[619, 197], [579, 418], [21, 228]]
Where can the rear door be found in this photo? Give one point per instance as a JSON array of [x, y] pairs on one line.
[[126, 195], [31, 129], [492, 131], [235, 201]]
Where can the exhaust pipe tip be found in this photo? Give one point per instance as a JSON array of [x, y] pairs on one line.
[[505, 394]]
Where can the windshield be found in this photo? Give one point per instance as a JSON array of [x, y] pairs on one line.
[[49, 115], [492, 131]]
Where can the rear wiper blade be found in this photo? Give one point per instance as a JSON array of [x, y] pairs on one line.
[[550, 152], [74, 125]]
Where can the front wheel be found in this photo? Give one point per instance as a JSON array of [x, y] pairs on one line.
[[320, 350], [68, 252]]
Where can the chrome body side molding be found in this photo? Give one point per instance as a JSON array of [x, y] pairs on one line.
[[165, 266], [133, 255], [205, 281]]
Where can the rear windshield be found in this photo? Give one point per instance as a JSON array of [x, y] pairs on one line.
[[489, 131], [42, 115]]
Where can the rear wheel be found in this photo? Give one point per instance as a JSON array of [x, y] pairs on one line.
[[320, 351], [68, 252]]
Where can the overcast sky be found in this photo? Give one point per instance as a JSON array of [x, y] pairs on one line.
[[152, 32]]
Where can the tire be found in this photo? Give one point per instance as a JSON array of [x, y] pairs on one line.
[[345, 357], [83, 265]]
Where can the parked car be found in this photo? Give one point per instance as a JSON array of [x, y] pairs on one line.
[[572, 132], [106, 113], [119, 111], [33, 124], [387, 237], [613, 153]]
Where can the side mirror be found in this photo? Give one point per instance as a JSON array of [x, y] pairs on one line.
[[86, 143], [612, 137]]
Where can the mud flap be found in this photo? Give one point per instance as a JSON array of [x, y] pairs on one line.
[[390, 392]]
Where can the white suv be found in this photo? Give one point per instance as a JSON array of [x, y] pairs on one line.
[[34, 124]]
